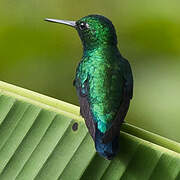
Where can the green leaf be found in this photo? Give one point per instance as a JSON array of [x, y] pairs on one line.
[[37, 142]]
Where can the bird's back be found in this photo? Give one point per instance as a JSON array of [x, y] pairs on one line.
[[102, 70]]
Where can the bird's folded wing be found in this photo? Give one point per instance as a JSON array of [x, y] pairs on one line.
[[113, 131], [85, 108]]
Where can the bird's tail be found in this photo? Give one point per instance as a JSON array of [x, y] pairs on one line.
[[108, 150]]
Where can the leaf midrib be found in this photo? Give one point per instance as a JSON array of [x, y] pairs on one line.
[[72, 111]]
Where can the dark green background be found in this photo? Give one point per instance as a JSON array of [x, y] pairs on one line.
[[42, 56]]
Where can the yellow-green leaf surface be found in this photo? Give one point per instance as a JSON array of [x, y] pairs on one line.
[[37, 142]]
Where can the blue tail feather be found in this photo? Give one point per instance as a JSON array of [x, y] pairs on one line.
[[108, 150]]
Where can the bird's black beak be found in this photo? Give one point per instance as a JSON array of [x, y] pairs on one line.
[[66, 22]]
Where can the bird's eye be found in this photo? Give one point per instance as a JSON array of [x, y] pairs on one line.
[[83, 26]]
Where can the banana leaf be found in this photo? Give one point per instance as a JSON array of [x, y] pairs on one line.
[[42, 138]]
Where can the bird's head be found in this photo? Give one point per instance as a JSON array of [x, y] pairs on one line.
[[94, 30]]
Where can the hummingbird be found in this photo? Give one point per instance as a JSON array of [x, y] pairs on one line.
[[103, 81]]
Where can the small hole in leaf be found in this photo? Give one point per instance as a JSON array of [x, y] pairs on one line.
[[75, 126]]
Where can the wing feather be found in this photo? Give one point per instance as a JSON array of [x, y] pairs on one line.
[[85, 108], [113, 131]]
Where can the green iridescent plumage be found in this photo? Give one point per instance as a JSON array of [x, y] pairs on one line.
[[103, 81], [104, 68], [104, 72]]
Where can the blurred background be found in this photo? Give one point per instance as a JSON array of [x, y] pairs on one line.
[[43, 56]]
